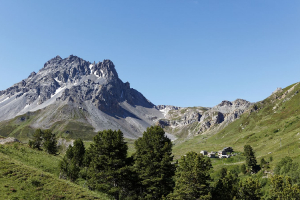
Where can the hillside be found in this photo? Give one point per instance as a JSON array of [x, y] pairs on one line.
[[30, 174], [271, 127]]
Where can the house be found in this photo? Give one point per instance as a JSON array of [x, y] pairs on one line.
[[228, 149], [211, 155], [220, 153], [203, 152], [224, 156]]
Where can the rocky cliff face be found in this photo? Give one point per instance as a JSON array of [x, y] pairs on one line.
[[93, 88], [198, 120]]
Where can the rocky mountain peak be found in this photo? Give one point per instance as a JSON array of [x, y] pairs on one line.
[[225, 103], [73, 81]]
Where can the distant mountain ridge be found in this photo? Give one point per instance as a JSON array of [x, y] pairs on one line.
[[76, 98], [197, 120]]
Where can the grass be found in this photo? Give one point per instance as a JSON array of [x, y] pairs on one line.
[[31, 157], [271, 132], [34, 178]]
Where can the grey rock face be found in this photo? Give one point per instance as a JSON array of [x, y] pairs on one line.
[[180, 119], [79, 83]]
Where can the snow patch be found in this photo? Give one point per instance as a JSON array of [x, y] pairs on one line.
[[26, 106]]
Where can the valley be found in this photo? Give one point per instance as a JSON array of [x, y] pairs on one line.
[[79, 99]]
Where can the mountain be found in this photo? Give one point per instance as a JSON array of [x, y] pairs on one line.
[[71, 92], [191, 121], [76, 98], [270, 126]]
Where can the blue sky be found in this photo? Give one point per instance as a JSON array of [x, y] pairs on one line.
[[175, 52]]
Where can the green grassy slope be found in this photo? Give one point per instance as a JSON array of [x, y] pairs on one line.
[[272, 128], [32, 174], [20, 126]]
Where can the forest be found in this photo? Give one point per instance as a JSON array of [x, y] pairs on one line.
[[152, 173]]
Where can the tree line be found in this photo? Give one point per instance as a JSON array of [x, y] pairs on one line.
[[151, 172]]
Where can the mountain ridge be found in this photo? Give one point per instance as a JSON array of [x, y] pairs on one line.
[[73, 95], [95, 89]]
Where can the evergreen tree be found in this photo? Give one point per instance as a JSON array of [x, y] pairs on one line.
[[69, 169], [282, 188], [37, 139], [50, 143], [226, 186], [192, 177], [153, 164], [107, 162], [250, 158], [73, 161], [78, 151], [250, 189]]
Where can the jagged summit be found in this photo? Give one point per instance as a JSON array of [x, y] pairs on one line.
[[94, 87]]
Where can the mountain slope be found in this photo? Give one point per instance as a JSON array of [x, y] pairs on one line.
[[72, 90], [191, 121], [271, 127], [31, 174]]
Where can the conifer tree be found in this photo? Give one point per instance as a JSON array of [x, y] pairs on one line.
[[78, 151], [249, 189], [107, 161], [226, 186], [282, 188], [192, 177], [250, 157], [49, 142], [37, 139], [73, 160], [153, 164]]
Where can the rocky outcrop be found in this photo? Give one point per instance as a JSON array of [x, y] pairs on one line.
[[200, 119], [8, 140]]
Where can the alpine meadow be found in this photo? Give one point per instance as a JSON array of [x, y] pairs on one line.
[[209, 109]]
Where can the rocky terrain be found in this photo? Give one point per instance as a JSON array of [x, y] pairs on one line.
[[75, 89], [74, 97], [198, 120]]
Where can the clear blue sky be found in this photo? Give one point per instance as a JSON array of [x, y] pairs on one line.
[[175, 52]]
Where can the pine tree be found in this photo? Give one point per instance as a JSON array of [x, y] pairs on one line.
[[78, 151], [153, 164], [250, 157], [73, 161], [107, 161], [226, 186], [49, 142], [37, 139], [249, 189], [192, 177], [282, 188]]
